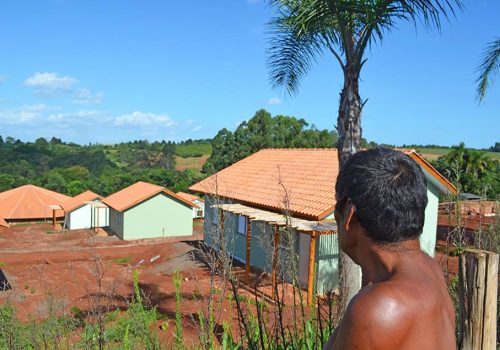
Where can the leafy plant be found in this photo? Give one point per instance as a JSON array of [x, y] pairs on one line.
[[123, 260], [179, 337]]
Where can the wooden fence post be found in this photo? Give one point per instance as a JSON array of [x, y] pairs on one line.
[[478, 288]]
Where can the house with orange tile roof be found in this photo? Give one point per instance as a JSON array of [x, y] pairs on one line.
[[85, 211], [199, 204], [144, 210], [30, 203], [251, 197]]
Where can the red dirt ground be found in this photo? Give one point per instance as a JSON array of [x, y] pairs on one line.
[[63, 265]]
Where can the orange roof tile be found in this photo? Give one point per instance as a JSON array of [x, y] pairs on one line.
[[4, 223], [189, 197], [79, 200], [29, 202], [137, 193], [307, 176]]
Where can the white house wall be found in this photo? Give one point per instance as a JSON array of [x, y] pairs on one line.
[[80, 218], [201, 206], [86, 217], [100, 217]]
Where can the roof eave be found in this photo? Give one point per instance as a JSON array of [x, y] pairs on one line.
[[142, 199], [442, 183]]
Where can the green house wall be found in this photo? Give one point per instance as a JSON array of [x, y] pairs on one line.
[[428, 237], [327, 267], [327, 248], [158, 216], [116, 222]]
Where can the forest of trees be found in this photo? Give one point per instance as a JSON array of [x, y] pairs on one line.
[[71, 168], [264, 131]]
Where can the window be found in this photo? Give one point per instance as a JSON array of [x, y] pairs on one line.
[[199, 213], [214, 216], [242, 224]]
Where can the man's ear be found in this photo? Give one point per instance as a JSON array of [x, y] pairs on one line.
[[350, 216]]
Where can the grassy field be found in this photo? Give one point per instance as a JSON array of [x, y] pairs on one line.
[[435, 153], [193, 150], [190, 162]]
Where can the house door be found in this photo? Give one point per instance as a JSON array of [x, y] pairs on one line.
[[304, 242]]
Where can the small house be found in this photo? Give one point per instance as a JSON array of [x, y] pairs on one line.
[[30, 203], [85, 211], [144, 210], [255, 199], [198, 204]]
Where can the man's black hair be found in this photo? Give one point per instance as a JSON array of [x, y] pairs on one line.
[[389, 191]]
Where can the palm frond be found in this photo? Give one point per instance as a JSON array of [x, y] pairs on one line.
[[299, 35], [304, 28], [381, 16], [290, 56], [488, 68]]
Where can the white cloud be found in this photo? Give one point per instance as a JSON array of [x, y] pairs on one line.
[[85, 96], [90, 125], [50, 84], [53, 85], [274, 101], [81, 118], [24, 115], [146, 120]]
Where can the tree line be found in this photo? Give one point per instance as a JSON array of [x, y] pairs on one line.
[[265, 131], [70, 168]]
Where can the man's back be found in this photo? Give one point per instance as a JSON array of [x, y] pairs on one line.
[[409, 310], [381, 196]]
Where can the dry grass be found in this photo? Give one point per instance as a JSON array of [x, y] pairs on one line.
[[190, 162]]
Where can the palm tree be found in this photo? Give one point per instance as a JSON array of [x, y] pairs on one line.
[[304, 29], [488, 68]]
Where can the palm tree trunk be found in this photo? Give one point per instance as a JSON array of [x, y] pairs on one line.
[[349, 118], [349, 129]]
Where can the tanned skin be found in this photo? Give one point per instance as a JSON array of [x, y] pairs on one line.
[[404, 303]]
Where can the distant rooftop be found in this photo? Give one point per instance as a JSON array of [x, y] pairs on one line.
[[189, 197], [29, 202], [137, 193], [79, 200]]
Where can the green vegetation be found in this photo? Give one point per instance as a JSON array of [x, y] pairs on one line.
[[264, 131], [179, 336], [433, 153], [196, 148], [474, 171], [302, 31], [123, 260], [488, 68], [71, 169]]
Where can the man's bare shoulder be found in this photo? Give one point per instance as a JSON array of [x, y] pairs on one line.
[[378, 317]]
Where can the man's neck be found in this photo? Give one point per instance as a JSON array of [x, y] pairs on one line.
[[380, 262]]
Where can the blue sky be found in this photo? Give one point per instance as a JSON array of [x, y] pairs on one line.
[[111, 71]]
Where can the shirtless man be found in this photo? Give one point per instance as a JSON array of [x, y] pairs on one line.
[[404, 303]]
